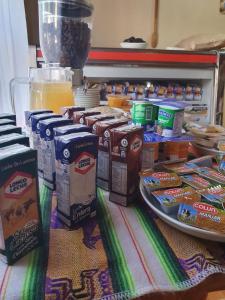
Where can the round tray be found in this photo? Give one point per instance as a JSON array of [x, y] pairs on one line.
[[194, 231]]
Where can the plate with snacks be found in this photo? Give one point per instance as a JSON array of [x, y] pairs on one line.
[[178, 219]]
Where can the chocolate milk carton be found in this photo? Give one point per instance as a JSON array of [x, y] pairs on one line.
[[74, 128], [76, 162], [80, 116], [4, 122], [91, 120], [7, 129], [20, 221], [103, 132], [13, 138], [126, 149], [35, 136], [67, 111], [48, 147]]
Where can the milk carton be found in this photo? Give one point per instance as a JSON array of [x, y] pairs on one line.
[[91, 120], [28, 114], [13, 138], [4, 122], [76, 161], [48, 147], [126, 148], [7, 129], [75, 128], [35, 136], [20, 221], [67, 111], [8, 116], [103, 132], [80, 116]]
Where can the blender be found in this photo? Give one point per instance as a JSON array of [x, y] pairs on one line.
[[65, 34]]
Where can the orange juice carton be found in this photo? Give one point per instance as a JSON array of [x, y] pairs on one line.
[[35, 136], [125, 163], [102, 130], [67, 111], [76, 163], [13, 138], [170, 199], [4, 122], [7, 129], [79, 117], [48, 147], [20, 219]]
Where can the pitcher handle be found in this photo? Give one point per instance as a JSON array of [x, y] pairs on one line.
[[12, 84]]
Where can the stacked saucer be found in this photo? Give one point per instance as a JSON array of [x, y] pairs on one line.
[[89, 98]]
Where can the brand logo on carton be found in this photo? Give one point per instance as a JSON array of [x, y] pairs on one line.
[[84, 163], [136, 144], [174, 191], [17, 185], [203, 207]]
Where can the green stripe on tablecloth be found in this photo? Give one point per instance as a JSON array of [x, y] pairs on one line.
[[119, 271], [162, 250], [35, 276]]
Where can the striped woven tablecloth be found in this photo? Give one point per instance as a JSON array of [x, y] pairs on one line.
[[123, 253]]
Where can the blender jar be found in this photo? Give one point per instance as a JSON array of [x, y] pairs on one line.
[[65, 31]]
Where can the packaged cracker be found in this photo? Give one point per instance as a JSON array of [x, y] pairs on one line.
[[196, 181], [214, 195], [13, 138], [211, 174], [67, 111], [80, 116], [8, 116], [125, 163], [76, 162], [202, 215], [35, 136], [68, 129], [181, 168], [7, 129], [48, 147], [102, 130], [159, 180], [170, 199], [20, 230], [4, 122]]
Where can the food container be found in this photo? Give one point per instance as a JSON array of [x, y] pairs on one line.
[[117, 101], [150, 155], [65, 31], [176, 150], [144, 114]]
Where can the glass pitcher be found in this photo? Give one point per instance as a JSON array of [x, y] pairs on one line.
[[50, 87]]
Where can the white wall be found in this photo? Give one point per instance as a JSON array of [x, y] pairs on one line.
[[115, 20]]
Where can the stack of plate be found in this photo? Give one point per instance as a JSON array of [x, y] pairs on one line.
[[89, 98]]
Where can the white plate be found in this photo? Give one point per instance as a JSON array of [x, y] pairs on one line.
[[134, 45], [197, 232]]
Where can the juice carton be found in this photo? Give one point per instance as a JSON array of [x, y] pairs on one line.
[[20, 218], [76, 162], [125, 163], [13, 138], [74, 128], [29, 113], [35, 136], [102, 129], [91, 120], [80, 116], [67, 111], [48, 147]]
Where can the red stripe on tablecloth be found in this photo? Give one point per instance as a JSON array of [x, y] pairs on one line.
[[140, 254], [152, 57]]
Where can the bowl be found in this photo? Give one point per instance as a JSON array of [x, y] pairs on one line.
[[134, 45]]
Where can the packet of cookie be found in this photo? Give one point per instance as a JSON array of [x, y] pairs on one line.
[[211, 174], [171, 198], [202, 215], [181, 168], [196, 181], [214, 195], [159, 180]]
